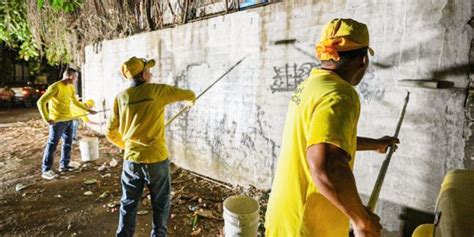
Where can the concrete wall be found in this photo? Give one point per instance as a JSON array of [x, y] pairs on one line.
[[234, 131]]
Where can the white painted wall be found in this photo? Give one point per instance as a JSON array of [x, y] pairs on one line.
[[234, 131]]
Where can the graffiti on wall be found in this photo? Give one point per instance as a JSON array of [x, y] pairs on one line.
[[371, 88], [288, 77]]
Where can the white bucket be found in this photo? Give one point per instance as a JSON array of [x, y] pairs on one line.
[[89, 147], [241, 216]]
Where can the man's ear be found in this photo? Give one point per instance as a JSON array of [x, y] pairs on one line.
[[364, 61]]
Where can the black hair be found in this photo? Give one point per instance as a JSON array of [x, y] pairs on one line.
[[345, 56], [137, 79], [354, 53], [69, 72]]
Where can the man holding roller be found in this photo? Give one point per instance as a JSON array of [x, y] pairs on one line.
[[137, 126], [314, 191], [55, 109]]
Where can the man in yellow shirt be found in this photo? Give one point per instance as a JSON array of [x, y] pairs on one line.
[[55, 109], [137, 126], [314, 192]]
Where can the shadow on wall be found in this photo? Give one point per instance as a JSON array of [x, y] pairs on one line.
[[438, 74], [370, 89]]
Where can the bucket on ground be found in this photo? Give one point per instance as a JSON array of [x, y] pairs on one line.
[[241, 216], [89, 147]]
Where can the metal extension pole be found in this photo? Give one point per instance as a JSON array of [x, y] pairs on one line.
[[202, 93], [82, 115], [383, 170]]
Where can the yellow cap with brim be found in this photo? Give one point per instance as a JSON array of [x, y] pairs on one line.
[[134, 66], [342, 35]]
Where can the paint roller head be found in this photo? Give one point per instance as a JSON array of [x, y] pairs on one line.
[[283, 42], [291, 42], [382, 65], [425, 83]]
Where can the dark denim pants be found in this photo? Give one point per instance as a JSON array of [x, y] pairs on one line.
[[156, 176], [56, 131]]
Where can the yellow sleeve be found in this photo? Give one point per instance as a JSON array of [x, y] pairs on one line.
[[334, 121], [113, 133], [76, 111], [43, 100], [85, 119], [173, 94], [77, 103]]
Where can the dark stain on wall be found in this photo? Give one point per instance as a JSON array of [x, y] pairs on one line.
[[272, 144]]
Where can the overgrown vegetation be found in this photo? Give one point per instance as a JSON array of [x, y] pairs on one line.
[[58, 30], [14, 30]]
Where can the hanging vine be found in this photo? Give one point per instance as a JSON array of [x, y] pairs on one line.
[[58, 30]]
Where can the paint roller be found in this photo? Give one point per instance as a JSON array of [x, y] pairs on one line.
[[417, 83], [182, 110], [374, 196], [425, 83], [202, 93], [292, 42]]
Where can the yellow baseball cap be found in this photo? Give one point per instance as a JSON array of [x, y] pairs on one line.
[[342, 35], [90, 103], [135, 65]]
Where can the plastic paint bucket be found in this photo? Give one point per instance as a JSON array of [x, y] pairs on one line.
[[241, 216], [89, 147]]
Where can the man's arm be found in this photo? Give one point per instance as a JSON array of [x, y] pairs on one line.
[[174, 94], [380, 145], [331, 173], [113, 134], [43, 100], [81, 105]]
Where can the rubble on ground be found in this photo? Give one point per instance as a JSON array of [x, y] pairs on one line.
[[91, 193]]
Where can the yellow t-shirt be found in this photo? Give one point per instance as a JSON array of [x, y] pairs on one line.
[[76, 111], [137, 120], [55, 103], [323, 109]]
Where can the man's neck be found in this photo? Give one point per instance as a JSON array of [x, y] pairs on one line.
[[66, 81], [135, 83], [343, 74]]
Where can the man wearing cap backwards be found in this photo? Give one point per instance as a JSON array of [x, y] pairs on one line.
[[137, 126], [55, 109], [314, 191]]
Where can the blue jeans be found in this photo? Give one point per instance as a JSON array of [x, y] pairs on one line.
[[157, 178], [75, 126], [56, 131]]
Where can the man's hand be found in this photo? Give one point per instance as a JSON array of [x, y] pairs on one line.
[[385, 142], [50, 122], [92, 111], [368, 228]]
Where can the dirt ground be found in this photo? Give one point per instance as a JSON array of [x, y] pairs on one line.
[[61, 208]]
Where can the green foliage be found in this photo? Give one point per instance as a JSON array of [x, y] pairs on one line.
[[16, 34], [68, 6], [14, 31], [57, 54]]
